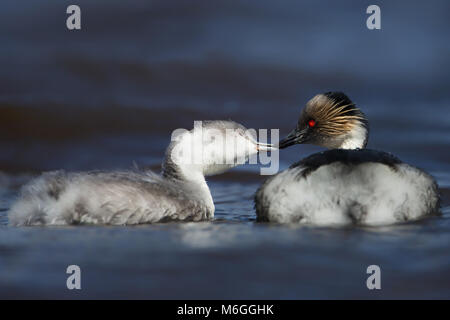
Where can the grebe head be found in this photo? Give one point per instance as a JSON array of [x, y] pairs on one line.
[[330, 120], [212, 147]]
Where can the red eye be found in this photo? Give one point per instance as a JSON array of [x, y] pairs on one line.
[[311, 123]]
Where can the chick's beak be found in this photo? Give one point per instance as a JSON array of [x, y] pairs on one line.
[[265, 147], [295, 137]]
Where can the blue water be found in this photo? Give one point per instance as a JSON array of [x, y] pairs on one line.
[[110, 95]]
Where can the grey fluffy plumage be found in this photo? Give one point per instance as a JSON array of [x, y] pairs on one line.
[[136, 196]]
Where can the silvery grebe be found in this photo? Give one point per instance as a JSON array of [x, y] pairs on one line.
[[135, 197], [346, 185]]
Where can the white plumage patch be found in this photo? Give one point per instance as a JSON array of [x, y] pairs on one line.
[[339, 194], [356, 138]]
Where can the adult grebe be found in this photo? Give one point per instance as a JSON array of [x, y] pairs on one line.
[[347, 185], [134, 197]]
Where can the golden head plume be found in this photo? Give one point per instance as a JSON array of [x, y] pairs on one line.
[[333, 112]]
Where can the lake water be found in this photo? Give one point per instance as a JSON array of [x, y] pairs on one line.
[[111, 94]]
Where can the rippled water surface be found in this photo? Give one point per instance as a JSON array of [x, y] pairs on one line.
[[110, 95]]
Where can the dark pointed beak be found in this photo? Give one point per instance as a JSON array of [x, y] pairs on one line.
[[295, 137]]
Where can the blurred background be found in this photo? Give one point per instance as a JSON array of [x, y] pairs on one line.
[[111, 93]]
